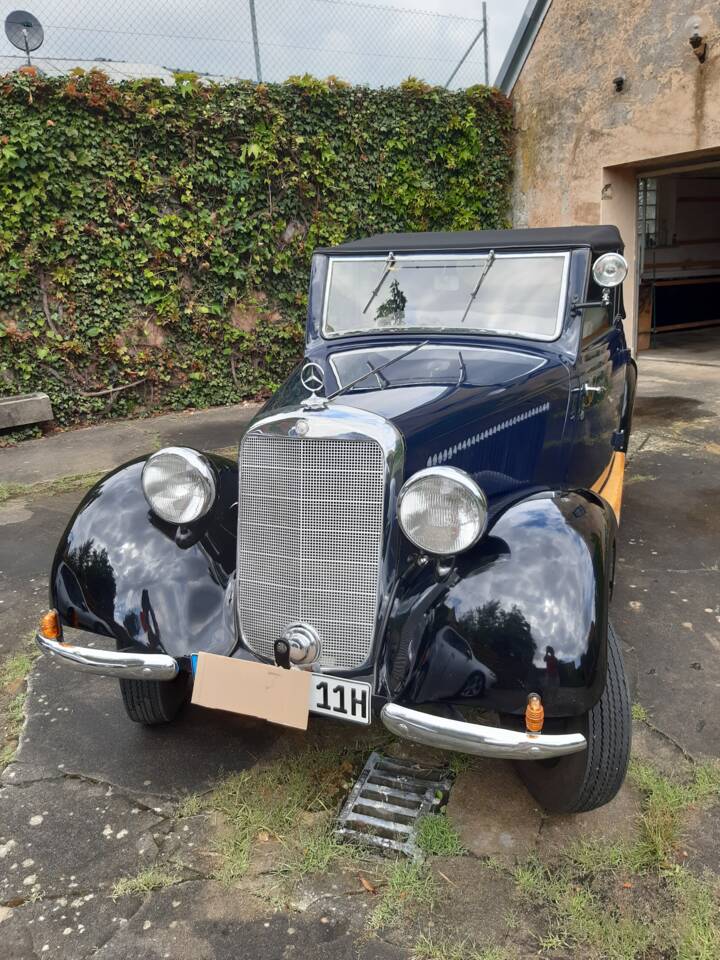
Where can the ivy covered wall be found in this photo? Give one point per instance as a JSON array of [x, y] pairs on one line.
[[158, 238]]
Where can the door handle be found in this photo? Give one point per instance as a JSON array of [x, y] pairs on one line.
[[587, 391]]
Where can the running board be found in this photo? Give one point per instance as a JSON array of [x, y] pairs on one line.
[[387, 802]]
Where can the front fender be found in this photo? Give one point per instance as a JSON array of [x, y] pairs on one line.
[[524, 611], [121, 572]]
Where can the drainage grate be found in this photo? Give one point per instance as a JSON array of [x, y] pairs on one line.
[[387, 801]]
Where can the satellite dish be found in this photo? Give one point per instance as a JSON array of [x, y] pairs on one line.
[[24, 31]]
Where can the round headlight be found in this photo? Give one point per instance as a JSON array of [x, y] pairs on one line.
[[179, 484], [442, 510], [610, 270]]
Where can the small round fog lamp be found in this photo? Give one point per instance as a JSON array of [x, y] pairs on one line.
[[610, 270]]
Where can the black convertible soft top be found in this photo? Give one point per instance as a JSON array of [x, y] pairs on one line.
[[600, 238]]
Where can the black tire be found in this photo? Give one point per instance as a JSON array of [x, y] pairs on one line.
[[587, 780], [154, 701]]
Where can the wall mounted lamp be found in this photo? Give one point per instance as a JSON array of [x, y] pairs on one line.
[[697, 39]]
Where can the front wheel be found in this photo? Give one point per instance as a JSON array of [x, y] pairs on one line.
[[154, 701], [590, 779]]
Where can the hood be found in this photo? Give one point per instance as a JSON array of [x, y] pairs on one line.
[[482, 422]]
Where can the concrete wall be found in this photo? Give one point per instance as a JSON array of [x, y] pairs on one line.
[[580, 145]]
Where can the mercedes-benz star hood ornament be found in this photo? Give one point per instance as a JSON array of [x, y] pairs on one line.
[[312, 378]]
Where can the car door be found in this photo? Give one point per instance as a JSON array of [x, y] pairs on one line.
[[597, 392]]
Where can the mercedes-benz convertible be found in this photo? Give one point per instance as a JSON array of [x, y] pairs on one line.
[[420, 525]]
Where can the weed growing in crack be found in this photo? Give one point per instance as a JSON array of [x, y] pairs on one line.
[[154, 878], [409, 889], [315, 851], [664, 802], [274, 803], [627, 901], [13, 672], [190, 806], [437, 836], [437, 948], [18, 666], [11, 491], [639, 713]]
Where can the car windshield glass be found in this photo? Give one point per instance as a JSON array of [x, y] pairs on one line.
[[520, 295]]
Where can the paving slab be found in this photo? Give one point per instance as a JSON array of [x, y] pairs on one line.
[[77, 723], [666, 606], [616, 822], [106, 446], [69, 838], [494, 815]]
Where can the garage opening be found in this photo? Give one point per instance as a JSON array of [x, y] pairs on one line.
[[678, 219]]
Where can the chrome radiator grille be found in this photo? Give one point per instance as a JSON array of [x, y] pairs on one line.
[[310, 522]]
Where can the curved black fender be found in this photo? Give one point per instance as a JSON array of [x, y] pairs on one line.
[[524, 611], [122, 572]]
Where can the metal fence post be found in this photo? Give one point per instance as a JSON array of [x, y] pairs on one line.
[[485, 43], [256, 44]]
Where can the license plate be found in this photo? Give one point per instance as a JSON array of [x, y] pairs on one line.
[[342, 699]]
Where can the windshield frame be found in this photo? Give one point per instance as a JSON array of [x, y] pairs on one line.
[[381, 258]]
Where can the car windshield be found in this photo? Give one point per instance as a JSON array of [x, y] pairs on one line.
[[519, 295]]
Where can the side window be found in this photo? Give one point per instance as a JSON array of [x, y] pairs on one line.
[[595, 319]]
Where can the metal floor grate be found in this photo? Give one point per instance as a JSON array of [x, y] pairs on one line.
[[390, 797]]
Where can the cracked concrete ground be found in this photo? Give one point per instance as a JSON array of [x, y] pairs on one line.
[[91, 798]]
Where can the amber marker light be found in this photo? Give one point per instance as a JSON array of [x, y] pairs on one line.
[[534, 714], [50, 625]]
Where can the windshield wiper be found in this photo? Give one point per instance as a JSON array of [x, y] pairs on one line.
[[373, 371], [389, 264], [381, 378], [486, 269]]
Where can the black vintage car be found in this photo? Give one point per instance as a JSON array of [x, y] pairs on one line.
[[421, 521]]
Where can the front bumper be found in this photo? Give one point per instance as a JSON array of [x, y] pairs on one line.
[[477, 739], [110, 663]]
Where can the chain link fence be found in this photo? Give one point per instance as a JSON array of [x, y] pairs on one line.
[[363, 43]]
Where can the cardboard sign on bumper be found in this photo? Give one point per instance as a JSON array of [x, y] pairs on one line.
[[252, 689]]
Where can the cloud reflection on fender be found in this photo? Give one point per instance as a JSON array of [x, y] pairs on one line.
[[544, 589], [151, 592]]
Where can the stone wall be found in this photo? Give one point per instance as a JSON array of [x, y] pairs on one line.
[[581, 144]]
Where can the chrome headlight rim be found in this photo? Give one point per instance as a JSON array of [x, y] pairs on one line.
[[598, 265], [463, 479], [201, 466]]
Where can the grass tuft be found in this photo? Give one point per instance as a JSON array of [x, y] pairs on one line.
[[639, 713], [664, 802], [273, 801], [587, 896], [409, 889], [12, 491], [154, 878], [190, 806], [18, 666], [437, 836], [435, 948], [314, 852]]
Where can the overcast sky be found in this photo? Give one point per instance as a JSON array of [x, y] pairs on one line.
[[363, 42]]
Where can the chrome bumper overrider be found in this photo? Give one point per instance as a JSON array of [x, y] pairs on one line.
[[111, 663], [477, 739]]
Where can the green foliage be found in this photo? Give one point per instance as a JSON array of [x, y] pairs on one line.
[[410, 889], [272, 803], [438, 837], [153, 878], [157, 239]]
